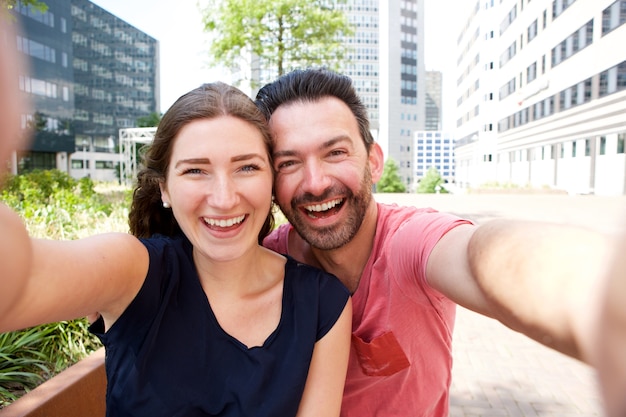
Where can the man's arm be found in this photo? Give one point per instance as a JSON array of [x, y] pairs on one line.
[[544, 280], [611, 336]]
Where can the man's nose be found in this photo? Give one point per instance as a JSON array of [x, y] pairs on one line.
[[316, 179]]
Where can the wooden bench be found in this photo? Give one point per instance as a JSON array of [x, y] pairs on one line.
[[78, 391]]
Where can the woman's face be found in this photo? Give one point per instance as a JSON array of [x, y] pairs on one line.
[[219, 185]]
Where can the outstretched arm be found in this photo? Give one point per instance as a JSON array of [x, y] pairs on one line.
[[327, 373], [611, 335], [15, 257], [544, 280], [62, 280]]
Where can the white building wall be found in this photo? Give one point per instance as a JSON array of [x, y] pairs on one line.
[[539, 152]]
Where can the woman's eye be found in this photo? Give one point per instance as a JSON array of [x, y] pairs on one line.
[[250, 168], [192, 171]]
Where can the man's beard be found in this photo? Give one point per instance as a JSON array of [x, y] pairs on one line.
[[332, 237]]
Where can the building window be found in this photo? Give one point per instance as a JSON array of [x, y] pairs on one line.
[[30, 161], [613, 16], [531, 72], [104, 165], [559, 6], [613, 80], [532, 30], [587, 147], [508, 19], [574, 149], [602, 150], [620, 142], [577, 41]]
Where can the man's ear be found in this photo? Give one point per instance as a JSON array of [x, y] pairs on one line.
[[376, 161]]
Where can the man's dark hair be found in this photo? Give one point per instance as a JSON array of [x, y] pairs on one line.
[[312, 85]]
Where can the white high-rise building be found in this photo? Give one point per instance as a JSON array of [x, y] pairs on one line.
[[387, 67], [541, 95]]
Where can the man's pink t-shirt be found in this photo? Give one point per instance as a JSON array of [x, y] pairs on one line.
[[401, 354]]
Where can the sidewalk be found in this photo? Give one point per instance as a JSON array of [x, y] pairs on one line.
[[496, 371]]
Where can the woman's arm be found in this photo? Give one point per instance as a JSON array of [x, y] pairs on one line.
[[71, 279], [15, 258], [327, 373]]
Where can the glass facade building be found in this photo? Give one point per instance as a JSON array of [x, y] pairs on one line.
[[434, 149], [90, 74], [386, 64]]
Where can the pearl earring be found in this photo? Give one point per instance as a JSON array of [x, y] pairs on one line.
[[166, 205]]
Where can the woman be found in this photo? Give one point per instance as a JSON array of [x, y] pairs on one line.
[[197, 318]]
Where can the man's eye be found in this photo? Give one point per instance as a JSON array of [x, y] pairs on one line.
[[285, 164]]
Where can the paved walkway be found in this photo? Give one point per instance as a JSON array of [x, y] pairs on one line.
[[498, 372]]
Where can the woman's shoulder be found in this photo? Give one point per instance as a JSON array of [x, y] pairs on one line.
[[309, 276]]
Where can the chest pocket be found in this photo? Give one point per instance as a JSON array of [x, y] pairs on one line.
[[382, 356]]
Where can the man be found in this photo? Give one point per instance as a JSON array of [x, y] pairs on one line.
[[406, 267]]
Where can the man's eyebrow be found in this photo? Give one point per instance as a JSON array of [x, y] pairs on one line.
[[329, 143]]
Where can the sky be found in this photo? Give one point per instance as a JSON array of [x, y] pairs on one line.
[[184, 46]]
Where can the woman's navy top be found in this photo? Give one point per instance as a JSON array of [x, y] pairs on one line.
[[167, 355]]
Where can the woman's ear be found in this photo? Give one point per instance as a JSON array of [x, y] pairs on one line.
[[376, 161], [165, 197]]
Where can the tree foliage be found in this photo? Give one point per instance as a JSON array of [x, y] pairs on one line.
[[390, 181], [5, 5], [151, 120], [431, 181], [35, 4], [282, 34]]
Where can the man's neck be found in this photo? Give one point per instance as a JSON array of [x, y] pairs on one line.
[[348, 262]]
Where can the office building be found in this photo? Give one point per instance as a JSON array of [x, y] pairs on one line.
[[387, 67], [90, 74], [433, 112], [541, 95], [434, 149]]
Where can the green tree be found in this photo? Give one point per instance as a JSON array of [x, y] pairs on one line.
[[34, 4], [431, 181], [151, 120], [5, 5], [390, 181], [280, 33]]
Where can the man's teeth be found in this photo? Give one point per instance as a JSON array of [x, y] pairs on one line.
[[325, 206], [224, 222]]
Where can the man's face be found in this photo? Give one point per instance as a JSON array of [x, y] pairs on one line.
[[323, 182]]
